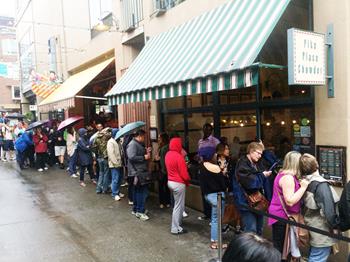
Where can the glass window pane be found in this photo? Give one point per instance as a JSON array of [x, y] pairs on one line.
[[174, 123], [289, 129], [274, 86], [173, 103], [236, 96], [195, 125], [200, 100], [238, 126]]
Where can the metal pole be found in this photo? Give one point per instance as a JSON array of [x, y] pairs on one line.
[[219, 226]]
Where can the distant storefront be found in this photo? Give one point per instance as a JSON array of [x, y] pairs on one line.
[[83, 94]]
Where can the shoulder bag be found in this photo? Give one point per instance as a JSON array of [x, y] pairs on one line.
[[303, 237]]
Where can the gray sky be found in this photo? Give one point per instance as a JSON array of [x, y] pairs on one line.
[[7, 8]]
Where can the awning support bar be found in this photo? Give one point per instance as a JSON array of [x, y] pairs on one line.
[[92, 97]]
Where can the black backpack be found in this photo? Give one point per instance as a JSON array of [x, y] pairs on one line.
[[344, 208]]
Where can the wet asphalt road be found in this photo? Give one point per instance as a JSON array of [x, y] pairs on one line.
[[49, 217]]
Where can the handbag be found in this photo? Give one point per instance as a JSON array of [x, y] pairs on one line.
[[231, 214], [303, 236], [257, 201]]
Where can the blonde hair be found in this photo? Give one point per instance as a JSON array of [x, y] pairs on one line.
[[291, 163], [255, 146]]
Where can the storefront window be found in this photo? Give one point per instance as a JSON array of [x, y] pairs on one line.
[[235, 96], [195, 126], [174, 123], [239, 126], [274, 86], [200, 100], [172, 103], [288, 129]]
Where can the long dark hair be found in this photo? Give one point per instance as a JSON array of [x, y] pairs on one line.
[[248, 247], [164, 139]]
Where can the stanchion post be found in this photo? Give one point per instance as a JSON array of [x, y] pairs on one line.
[[219, 226]]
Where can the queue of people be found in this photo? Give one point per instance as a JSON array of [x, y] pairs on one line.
[[246, 178]]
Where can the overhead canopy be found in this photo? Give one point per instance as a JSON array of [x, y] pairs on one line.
[[211, 52], [63, 97]]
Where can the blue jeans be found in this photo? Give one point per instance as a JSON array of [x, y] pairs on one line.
[[212, 199], [140, 195], [73, 163], [20, 159], [117, 178], [252, 222], [103, 178], [319, 254]]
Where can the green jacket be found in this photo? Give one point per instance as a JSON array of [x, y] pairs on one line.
[[162, 152], [99, 146]]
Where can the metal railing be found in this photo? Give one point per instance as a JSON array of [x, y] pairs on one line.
[[166, 4]]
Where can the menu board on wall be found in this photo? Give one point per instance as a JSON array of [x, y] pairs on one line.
[[332, 161]]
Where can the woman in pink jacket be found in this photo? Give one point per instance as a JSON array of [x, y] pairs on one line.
[[178, 179]]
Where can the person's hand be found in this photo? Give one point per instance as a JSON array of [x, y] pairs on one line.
[[267, 173], [304, 183], [149, 149], [147, 156]]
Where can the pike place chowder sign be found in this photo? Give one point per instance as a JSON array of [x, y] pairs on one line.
[[306, 58]]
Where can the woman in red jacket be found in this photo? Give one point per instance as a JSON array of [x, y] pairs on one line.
[[178, 179], [40, 143]]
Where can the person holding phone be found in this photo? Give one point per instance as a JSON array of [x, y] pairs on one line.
[[252, 179]]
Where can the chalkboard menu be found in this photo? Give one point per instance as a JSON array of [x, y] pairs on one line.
[[332, 161]]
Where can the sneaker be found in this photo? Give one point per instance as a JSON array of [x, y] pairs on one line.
[[82, 184], [183, 231], [131, 203], [133, 213], [117, 198], [121, 195], [74, 176], [40, 170], [142, 216], [184, 214], [161, 206], [67, 169], [124, 184], [46, 168], [4, 160]]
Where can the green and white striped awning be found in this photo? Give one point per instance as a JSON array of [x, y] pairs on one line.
[[212, 52]]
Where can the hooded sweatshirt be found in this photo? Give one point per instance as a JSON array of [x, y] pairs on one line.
[[84, 151], [175, 163]]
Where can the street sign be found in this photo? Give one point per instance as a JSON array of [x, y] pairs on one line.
[[306, 58]]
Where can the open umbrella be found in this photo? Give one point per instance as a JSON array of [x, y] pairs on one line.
[[37, 124], [129, 128], [69, 122], [15, 116]]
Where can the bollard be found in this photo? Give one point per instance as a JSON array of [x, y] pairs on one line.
[[219, 213]]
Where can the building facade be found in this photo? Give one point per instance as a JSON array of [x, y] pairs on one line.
[[10, 95], [53, 39], [286, 117]]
